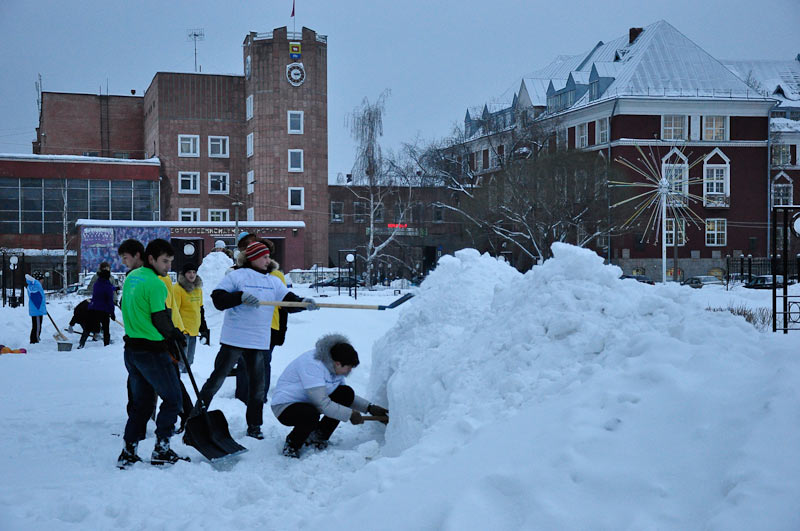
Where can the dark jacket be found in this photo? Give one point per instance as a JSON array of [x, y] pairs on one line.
[[103, 294]]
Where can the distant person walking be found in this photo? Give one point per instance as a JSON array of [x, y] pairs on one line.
[[37, 308]]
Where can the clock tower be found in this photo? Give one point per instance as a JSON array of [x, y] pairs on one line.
[[286, 127]]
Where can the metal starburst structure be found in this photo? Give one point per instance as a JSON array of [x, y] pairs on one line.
[[662, 192]]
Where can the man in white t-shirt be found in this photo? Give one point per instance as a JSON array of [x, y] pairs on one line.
[[246, 329], [313, 384]]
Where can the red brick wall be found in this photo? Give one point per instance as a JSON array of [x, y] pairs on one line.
[[71, 124]]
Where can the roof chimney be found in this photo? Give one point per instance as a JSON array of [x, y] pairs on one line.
[[633, 33]]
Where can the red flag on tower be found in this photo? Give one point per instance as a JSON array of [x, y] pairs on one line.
[[292, 7]]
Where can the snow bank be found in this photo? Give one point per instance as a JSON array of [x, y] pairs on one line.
[[213, 268], [568, 384]]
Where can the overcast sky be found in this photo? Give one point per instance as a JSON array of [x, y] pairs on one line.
[[436, 57]]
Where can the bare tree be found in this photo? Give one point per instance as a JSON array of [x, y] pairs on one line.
[[376, 181]]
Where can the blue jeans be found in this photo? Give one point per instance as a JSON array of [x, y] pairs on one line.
[[191, 345], [254, 361], [148, 373]]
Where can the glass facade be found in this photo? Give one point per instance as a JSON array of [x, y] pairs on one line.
[[37, 206]]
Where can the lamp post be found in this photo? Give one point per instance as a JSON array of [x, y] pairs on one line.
[[351, 274]]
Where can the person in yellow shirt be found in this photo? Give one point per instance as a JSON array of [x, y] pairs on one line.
[[187, 299]]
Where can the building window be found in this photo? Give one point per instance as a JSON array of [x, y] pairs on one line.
[[251, 181], [377, 216], [782, 190], [218, 183], [218, 147], [714, 127], [251, 214], [673, 127], [594, 90], [189, 182], [360, 211], [217, 214], [295, 160], [188, 145], [337, 212], [250, 145], [295, 122], [669, 235], [188, 214], [716, 232], [715, 186], [248, 105], [601, 128], [296, 199], [561, 139], [438, 214], [678, 177], [781, 155], [582, 135]]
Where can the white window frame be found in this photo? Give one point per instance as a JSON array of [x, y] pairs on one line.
[[669, 234], [251, 214], [600, 129], [785, 182], [194, 143], [781, 155], [195, 175], [251, 182], [719, 125], [669, 128], [668, 170], [193, 213], [301, 206], [340, 217], [212, 212], [223, 141], [719, 237], [227, 188], [289, 161], [716, 198], [289, 122], [582, 135], [248, 107], [250, 144]]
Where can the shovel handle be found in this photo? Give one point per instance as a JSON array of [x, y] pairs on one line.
[[379, 418], [61, 336]]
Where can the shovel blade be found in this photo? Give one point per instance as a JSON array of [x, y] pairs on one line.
[[208, 433]]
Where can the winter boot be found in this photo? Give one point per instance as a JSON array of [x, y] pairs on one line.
[[289, 450], [255, 432], [128, 456], [163, 455], [317, 440]]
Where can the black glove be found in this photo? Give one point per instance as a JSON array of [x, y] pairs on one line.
[[356, 418], [205, 334], [378, 411], [178, 337]]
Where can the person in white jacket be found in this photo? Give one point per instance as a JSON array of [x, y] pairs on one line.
[[313, 384]]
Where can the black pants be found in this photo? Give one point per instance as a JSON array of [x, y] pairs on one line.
[[224, 362], [36, 328], [102, 320], [305, 417]]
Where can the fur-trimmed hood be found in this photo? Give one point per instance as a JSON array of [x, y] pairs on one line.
[[323, 349], [190, 286]]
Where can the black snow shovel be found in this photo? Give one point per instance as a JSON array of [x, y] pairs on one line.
[[208, 431]]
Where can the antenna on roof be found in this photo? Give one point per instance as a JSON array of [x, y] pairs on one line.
[[39, 95], [197, 34]]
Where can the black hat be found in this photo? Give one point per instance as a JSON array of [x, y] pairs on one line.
[[188, 266]]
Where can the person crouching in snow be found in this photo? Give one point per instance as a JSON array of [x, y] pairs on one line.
[[101, 308], [37, 308], [187, 297], [246, 329], [313, 384]]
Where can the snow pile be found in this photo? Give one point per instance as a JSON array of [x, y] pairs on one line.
[[569, 384], [213, 268]]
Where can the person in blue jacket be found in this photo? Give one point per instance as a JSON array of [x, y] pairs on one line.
[[37, 308], [101, 309]]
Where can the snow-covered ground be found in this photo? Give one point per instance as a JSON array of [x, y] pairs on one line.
[[563, 398]]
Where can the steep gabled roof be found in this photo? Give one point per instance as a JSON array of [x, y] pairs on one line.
[[779, 79], [536, 91]]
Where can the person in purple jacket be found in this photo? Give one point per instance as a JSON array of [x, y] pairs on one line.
[[101, 309]]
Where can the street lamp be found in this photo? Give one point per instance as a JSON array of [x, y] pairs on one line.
[[351, 274]]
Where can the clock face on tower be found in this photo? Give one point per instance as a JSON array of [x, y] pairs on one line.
[[295, 74]]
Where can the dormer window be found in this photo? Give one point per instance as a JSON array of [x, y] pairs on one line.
[[594, 90]]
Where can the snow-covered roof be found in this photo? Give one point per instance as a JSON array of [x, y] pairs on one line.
[[188, 224], [78, 158], [580, 77], [778, 79], [784, 125], [536, 90], [607, 69]]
